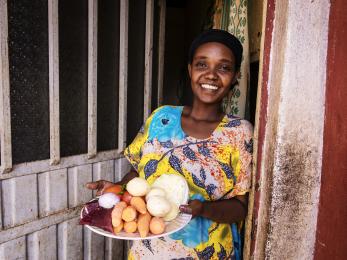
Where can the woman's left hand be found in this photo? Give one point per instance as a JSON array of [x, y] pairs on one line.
[[194, 207]]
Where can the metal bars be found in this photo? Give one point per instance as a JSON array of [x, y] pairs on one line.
[[161, 50], [53, 47], [123, 73], [5, 110], [92, 76], [148, 59], [54, 99]]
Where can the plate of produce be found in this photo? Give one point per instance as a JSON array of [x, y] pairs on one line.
[[139, 210]]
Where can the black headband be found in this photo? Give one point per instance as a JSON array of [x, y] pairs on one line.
[[223, 37]]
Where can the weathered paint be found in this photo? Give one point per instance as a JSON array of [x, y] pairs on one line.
[[5, 110], [92, 76], [148, 59], [123, 73], [45, 207], [53, 56], [332, 216], [290, 161], [161, 51], [261, 112]]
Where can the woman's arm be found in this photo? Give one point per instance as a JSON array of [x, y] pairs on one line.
[[100, 185], [224, 211]]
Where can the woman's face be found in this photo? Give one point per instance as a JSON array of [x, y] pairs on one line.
[[212, 72]]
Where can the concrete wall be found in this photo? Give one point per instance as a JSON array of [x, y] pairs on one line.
[[291, 129], [40, 212]]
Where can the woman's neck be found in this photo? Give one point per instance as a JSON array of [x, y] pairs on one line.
[[205, 112]]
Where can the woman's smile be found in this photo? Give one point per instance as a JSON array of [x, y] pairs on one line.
[[209, 87], [212, 72]]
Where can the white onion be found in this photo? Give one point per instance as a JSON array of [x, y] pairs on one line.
[[108, 200]]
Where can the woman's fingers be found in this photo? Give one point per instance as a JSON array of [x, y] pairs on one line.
[[99, 186], [194, 207], [186, 209]]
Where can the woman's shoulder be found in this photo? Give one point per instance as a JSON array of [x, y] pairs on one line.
[[166, 111], [238, 125], [167, 108]]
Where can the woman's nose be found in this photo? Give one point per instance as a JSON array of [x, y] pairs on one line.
[[211, 74]]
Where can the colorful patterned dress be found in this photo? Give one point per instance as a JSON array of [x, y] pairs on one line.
[[218, 167]]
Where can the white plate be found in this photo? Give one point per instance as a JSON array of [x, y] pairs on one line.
[[170, 227]]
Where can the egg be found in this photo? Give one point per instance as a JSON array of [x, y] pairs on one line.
[[155, 192], [108, 200], [173, 213], [158, 206]]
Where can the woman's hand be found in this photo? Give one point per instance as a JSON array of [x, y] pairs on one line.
[[99, 186], [222, 211], [194, 207]]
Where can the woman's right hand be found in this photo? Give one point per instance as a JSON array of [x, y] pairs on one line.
[[99, 186]]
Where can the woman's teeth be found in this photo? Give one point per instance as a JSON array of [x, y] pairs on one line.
[[207, 86]]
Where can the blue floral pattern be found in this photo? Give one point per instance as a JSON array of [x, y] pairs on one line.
[[196, 232], [216, 168], [166, 124]]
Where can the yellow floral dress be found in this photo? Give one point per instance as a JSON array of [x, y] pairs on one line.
[[216, 168]]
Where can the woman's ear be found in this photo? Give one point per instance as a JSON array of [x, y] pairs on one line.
[[236, 76], [190, 70]]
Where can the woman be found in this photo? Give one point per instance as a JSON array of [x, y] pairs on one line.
[[210, 149]]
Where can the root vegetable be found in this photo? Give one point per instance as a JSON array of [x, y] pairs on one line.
[[116, 214], [143, 224], [129, 214], [115, 189], [156, 225], [130, 227], [138, 187], [118, 228], [139, 204]]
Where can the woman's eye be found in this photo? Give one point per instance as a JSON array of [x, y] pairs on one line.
[[225, 68], [200, 65]]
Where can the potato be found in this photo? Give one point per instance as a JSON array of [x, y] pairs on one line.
[[138, 187], [158, 206], [130, 227], [157, 226]]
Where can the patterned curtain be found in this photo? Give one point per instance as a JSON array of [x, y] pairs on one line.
[[231, 15]]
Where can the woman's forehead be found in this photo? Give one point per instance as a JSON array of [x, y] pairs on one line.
[[214, 49]]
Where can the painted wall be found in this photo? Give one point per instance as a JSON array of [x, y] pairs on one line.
[[331, 242], [40, 212], [291, 129]]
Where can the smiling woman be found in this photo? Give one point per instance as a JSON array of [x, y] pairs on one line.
[[211, 150]]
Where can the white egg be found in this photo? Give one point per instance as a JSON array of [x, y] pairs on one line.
[[173, 213], [158, 206], [108, 200], [155, 192]]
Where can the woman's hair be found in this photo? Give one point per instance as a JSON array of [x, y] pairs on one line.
[[220, 36]]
